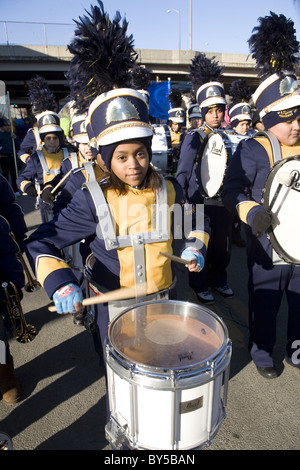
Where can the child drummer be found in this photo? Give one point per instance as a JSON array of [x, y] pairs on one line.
[[128, 196], [278, 101], [133, 214]]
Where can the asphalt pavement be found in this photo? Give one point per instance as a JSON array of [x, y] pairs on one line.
[[63, 406]]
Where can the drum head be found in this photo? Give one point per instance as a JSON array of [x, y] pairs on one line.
[[212, 165], [284, 236], [167, 334]]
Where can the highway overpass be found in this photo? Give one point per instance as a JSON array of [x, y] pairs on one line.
[[20, 63]]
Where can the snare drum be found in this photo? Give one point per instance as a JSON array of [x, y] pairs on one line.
[[284, 235], [214, 156], [167, 369]]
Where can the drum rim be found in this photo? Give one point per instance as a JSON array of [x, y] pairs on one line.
[[158, 370], [198, 165], [265, 202]]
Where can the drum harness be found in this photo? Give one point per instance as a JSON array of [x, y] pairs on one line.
[[136, 240]]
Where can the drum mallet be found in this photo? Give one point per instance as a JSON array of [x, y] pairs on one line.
[[283, 178]]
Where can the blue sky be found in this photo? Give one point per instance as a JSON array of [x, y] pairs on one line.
[[217, 26]]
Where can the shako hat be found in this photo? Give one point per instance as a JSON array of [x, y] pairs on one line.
[[120, 114], [104, 56], [194, 111], [205, 74], [79, 128]]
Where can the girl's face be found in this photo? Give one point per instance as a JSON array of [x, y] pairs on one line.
[[130, 162], [287, 132]]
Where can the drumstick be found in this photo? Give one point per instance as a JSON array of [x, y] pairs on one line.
[[118, 294], [177, 259], [284, 178], [61, 181]]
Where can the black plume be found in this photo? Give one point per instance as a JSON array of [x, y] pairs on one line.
[[273, 45], [204, 70], [175, 98], [103, 54], [240, 91], [140, 78], [40, 96]]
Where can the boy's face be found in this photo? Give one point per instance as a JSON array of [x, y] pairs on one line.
[[51, 142], [287, 132], [214, 117]]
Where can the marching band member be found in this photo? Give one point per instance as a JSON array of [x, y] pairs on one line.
[[239, 111], [277, 99], [194, 116], [177, 121], [117, 212], [41, 99], [74, 161], [205, 74], [44, 163]]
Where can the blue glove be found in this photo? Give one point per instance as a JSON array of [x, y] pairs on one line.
[[66, 297], [191, 253]]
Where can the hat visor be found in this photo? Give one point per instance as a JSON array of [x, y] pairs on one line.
[[81, 139], [213, 101], [292, 102], [125, 133], [49, 128]]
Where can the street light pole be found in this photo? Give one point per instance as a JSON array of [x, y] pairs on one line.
[[179, 28], [191, 16]]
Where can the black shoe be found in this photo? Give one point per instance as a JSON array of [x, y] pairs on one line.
[[267, 372]]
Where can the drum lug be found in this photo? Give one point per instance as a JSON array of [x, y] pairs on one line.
[[116, 435]]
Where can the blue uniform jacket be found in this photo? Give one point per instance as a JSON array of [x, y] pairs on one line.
[[79, 221], [247, 174], [28, 146]]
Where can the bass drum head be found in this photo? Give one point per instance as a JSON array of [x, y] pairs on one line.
[[284, 236], [167, 334], [212, 164]]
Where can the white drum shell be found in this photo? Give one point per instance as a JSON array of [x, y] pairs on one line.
[[285, 233], [161, 148], [215, 154], [168, 409]]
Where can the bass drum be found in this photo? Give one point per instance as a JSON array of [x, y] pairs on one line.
[[284, 235], [167, 369], [213, 159]]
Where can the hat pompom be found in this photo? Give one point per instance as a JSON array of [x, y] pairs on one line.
[[273, 45]]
